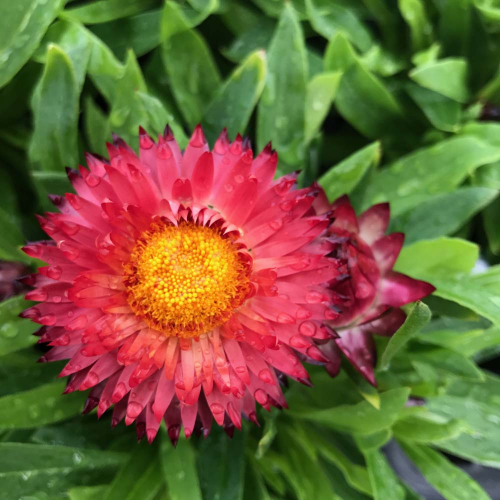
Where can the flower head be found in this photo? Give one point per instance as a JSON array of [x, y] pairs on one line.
[[181, 286], [370, 294]]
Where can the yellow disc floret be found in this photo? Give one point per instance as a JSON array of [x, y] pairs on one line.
[[185, 280]]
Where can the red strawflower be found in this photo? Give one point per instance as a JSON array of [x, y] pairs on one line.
[[182, 285], [370, 293]]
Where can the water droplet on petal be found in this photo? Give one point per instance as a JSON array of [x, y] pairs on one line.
[[285, 318], [307, 328]]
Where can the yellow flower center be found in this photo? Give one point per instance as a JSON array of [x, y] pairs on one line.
[[185, 280]]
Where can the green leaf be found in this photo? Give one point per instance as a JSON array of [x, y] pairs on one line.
[[268, 435], [71, 39], [446, 76], [442, 255], [54, 143], [234, 102], [373, 441], [222, 482], [86, 492], [27, 469], [127, 112], [107, 10], [179, 470], [194, 77], [50, 183], [15, 332], [384, 481], [97, 127], [417, 318], [330, 17], [362, 99], [140, 33], [157, 115], [443, 113], [12, 238], [448, 479], [413, 12], [321, 92], [427, 171], [427, 428], [443, 214], [489, 176], [280, 116], [40, 406], [361, 418], [141, 477], [22, 27], [344, 177]]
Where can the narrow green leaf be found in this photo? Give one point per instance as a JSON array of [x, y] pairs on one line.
[[50, 183], [384, 481], [179, 470], [448, 479], [15, 332], [22, 28], [140, 477], [158, 115], [329, 18], [442, 255], [280, 116], [97, 126], [443, 113], [252, 39], [40, 406], [127, 112], [413, 12], [103, 11], [236, 99], [443, 214], [373, 441], [321, 92], [86, 492], [344, 177], [362, 98], [194, 77], [361, 418], [427, 428], [27, 469], [54, 143], [418, 317], [71, 39], [427, 171], [268, 435], [446, 76], [141, 33], [222, 482], [12, 238]]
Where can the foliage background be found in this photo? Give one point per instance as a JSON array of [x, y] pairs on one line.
[[385, 100]]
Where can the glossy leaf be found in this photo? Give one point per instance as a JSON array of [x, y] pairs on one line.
[[27, 469], [428, 428], [236, 99], [320, 94], [15, 333], [194, 77], [448, 479], [40, 406], [54, 143], [330, 17], [417, 318], [442, 255], [413, 11], [280, 115], [361, 418], [103, 11], [384, 481], [22, 28], [344, 177], [447, 77], [140, 477], [443, 214], [179, 470], [432, 170]]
